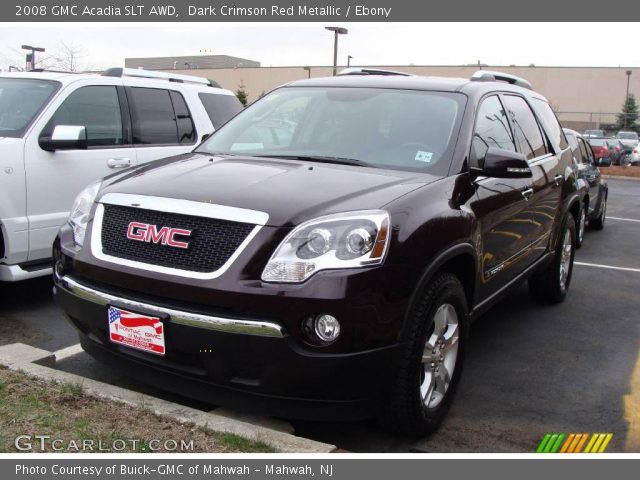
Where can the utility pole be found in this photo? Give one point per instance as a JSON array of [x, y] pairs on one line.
[[336, 31]]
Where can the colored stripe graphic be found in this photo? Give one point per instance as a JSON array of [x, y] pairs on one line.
[[574, 442]]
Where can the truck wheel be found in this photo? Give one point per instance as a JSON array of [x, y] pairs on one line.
[[598, 223], [432, 359], [551, 285]]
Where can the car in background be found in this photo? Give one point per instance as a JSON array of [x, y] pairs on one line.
[[593, 190], [620, 152], [635, 155], [600, 148], [593, 133], [628, 140], [59, 131], [628, 136]]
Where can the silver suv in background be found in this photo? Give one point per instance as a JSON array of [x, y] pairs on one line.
[[61, 131]]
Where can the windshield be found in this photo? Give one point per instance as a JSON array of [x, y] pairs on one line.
[[384, 128], [20, 100], [597, 142], [628, 135]]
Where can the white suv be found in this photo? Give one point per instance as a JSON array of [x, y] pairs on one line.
[[61, 131]]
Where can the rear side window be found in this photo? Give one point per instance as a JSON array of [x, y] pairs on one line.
[[220, 108], [527, 130], [544, 111], [160, 117], [491, 130], [97, 108]]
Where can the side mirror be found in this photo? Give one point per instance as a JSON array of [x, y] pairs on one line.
[[499, 163], [604, 162], [65, 137]]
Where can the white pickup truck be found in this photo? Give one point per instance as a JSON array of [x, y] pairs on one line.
[[61, 131]]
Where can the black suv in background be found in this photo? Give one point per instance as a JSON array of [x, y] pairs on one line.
[[323, 254], [592, 188]]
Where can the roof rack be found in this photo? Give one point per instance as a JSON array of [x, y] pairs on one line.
[[171, 77], [372, 71], [490, 76]]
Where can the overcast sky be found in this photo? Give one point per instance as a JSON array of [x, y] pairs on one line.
[[106, 45]]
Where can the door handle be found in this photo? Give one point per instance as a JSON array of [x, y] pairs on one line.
[[119, 162], [527, 192], [558, 179]]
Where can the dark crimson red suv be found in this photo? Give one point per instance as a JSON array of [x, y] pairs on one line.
[[323, 253]]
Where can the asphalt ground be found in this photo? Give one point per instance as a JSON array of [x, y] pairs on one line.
[[530, 368]]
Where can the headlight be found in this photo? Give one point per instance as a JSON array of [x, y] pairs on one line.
[[80, 212], [344, 240]]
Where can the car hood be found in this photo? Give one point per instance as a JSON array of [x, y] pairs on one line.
[[628, 143], [289, 191]]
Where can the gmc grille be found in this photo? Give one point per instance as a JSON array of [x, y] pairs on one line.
[[211, 244]]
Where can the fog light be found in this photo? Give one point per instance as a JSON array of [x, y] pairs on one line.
[[327, 328]]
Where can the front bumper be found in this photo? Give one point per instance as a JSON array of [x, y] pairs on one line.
[[249, 365]]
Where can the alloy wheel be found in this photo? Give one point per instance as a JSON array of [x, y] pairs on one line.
[[565, 259], [439, 356]]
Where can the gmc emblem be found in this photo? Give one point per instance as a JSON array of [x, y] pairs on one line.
[[144, 232]]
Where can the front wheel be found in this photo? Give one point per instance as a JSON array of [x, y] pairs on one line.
[[552, 284], [432, 360]]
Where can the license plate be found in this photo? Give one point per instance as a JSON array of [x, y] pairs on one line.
[[136, 330]]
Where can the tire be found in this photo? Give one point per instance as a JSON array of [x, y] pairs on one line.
[[581, 226], [598, 223], [420, 396], [552, 284]]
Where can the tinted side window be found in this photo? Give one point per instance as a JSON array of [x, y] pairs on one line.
[[220, 108], [526, 127], [575, 148], [491, 130], [186, 128], [550, 120], [585, 150], [95, 107], [154, 120]]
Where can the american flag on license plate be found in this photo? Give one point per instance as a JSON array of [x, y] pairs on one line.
[[134, 320]]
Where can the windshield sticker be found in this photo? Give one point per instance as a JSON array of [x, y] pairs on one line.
[[422, 156]]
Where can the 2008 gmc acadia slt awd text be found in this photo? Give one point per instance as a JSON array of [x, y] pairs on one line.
[[323, 253]]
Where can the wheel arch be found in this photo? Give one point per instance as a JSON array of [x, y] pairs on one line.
[[459, 260]]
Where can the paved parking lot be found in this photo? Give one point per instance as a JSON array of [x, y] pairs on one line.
[[531, 368]]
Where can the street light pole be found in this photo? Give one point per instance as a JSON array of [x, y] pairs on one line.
[[33, 54], [626, 99], [336, 31]]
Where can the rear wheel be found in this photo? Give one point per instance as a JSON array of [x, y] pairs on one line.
[[431, 363], [598, 223], [582, 222], [552, 284]]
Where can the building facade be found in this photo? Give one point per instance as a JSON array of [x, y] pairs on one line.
[[583, 97]]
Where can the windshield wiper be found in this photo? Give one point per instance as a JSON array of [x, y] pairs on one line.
[[323, 159]]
